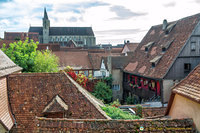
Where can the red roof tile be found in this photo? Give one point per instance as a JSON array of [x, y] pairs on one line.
[[29, 94], [95, 58], [132, 46], [75, 59], [180, 33]]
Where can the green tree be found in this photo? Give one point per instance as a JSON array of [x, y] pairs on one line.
[[45, 61], [22, 54], [103, 92], [108, 80]]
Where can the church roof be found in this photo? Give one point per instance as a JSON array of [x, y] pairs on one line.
[[45, 14], [84, 31]]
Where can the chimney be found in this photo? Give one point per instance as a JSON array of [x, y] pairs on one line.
[[164, 25]]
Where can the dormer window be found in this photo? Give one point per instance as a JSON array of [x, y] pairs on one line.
[[57, 108], [148, 46], [166, 45], [155, 61], [163, 49], [167, 28], [193, 46], [170, 27]]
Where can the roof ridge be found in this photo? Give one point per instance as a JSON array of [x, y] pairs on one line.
[[93, 100]]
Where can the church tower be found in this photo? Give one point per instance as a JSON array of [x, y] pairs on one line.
[[46, 26]]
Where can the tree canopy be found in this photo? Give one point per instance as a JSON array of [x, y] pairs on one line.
[[45, 61], [103, 92], [26, 55]]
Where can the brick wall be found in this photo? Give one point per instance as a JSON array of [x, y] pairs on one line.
[[44, 125]]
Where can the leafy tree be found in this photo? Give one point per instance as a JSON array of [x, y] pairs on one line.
[[45, 61], [108, 80], [22, 54], [102, 92]]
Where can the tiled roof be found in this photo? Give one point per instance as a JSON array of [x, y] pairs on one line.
[[190, 86], [7, 66], [50, 46], [179, 34], [95, 58], [132, 46], [85, 31], [6, 118], [75, 59], [21, 35], [31, 93], [56, 105], [118, 62]]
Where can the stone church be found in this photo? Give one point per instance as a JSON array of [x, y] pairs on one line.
[[80, 35]]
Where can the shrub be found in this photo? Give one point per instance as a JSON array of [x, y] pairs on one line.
[[108, 80], [116, 113], [115, 103], [131, 100], [102, 92], [45, 61]]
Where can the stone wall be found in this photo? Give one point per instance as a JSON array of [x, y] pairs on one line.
[[50, 125]]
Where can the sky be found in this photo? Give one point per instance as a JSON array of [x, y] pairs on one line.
[[113, 21]]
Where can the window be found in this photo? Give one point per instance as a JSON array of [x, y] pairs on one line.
[[116, 87], [76, 72], [193, 46], [146, 49], [187, 67], [103, 74], [86, 73], [90, 72], [163, 49], [155, 61], [153, 64], [148, 46]]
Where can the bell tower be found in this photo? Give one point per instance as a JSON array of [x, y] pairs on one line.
[[46, 26]]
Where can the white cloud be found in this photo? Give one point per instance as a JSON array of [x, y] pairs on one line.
[[17, 15]]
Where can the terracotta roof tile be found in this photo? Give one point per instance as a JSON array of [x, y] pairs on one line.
[[132, 46], [190, 86], [95, 58], [179, 34], [131, 66], [75, 59], [36, 90]]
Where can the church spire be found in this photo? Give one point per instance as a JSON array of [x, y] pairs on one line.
[[45, 14]]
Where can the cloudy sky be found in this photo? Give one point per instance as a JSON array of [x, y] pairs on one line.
[[113, 21]]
